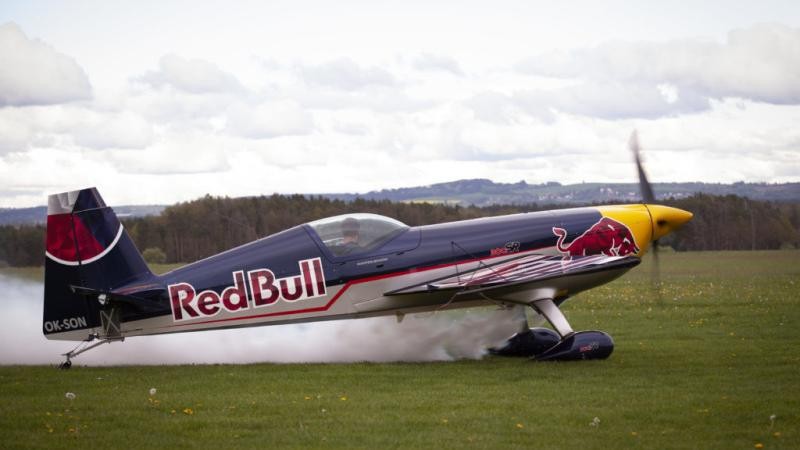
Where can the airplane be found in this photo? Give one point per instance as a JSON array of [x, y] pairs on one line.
[[98, 288]]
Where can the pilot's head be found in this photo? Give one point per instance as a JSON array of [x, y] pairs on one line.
[[350, 227]]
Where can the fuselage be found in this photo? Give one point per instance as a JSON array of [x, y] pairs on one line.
[[314, 272]]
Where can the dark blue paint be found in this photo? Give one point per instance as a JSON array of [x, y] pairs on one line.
[[579, 346], [88, 199], [123, 270], [532, 342]]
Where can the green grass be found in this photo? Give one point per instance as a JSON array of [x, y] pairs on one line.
[[703, 367]]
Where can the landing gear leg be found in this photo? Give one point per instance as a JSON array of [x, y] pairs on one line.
[[77, 350], [553, 314]]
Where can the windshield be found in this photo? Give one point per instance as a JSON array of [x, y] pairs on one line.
[[351, 234]]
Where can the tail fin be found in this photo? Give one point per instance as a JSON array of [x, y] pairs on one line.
[[86, 247]]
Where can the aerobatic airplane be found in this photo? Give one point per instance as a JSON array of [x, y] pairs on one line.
[[99, 288]]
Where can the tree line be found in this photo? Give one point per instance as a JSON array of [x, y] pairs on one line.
[[196, 229]]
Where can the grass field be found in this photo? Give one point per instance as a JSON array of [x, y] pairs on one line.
[[714, 364]]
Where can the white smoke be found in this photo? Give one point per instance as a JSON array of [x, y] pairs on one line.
[[422, 337]]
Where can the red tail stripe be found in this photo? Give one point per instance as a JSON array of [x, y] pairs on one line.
[[61, 240]]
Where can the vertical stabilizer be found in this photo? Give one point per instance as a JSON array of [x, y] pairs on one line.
[[86, 246]]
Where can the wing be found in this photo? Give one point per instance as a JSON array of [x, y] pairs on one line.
[[520, 270]]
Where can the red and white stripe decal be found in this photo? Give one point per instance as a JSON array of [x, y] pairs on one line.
[[527, 268], [92, 249]]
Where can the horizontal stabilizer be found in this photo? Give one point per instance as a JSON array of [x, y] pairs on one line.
[[138, 304]]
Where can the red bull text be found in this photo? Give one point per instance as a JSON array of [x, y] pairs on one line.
[[258, 289]]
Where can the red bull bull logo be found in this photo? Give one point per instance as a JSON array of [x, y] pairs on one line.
[[606, 237]]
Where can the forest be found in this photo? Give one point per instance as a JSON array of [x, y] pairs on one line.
[[192, 230]]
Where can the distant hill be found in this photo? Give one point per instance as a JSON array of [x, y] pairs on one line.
[[483, 192], [38, 214]]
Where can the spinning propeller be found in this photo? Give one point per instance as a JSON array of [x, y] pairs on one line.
[[649, 198], [664, 218]]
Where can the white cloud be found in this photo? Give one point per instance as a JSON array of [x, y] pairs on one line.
[[194, 76], [386, 101], [266, 116], [610, 100], [33, 73], [269, 119], [71, 127], [24, 128], [345, 74], [176, 153], [15, 131], [431, 62], [496, 107], [375, 99], [120, 130], [760, 63], [179, 109]]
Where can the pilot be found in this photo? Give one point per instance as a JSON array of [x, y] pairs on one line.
[[350, 228]]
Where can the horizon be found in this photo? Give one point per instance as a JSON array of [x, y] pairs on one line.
[[166, 103], [44, 204]]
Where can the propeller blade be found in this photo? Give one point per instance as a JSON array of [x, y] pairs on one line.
[[644, 186], [646, 189]]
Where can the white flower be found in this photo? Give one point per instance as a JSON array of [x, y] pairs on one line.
[[595, 422], [152, 391], [70, 396]]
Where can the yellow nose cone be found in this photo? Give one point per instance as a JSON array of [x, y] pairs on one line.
[[667, 219]]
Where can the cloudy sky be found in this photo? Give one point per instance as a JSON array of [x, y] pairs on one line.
[[158, 102]]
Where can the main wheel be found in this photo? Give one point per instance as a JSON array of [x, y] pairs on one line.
[[528, 343], [579, 346]]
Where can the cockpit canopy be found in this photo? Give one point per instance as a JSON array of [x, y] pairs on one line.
[[351, 234]]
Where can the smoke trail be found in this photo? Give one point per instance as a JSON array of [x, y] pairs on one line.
[[424, 337]]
